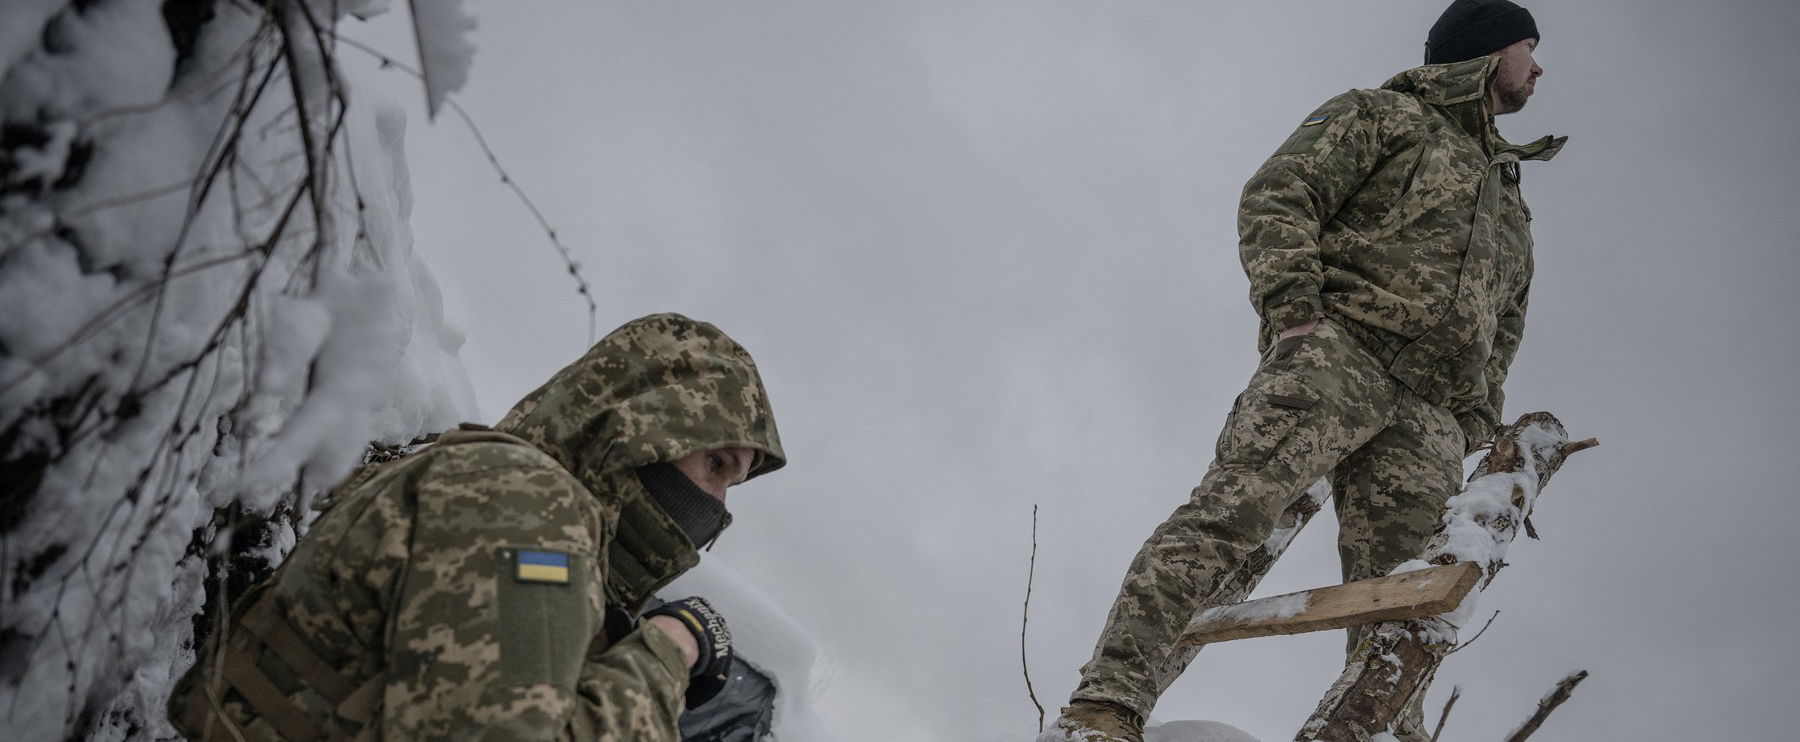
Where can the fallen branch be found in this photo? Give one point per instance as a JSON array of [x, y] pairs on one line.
[[1548, 704], [1392, 668]]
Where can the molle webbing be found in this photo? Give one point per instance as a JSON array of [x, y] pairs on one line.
[[267, 665], [264, 645]]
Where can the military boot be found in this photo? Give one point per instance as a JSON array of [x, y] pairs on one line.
[[1095, 721]]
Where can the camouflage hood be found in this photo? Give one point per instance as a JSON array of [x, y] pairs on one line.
[[1447, 84], [1461, 91], [656, 389], [408, 611]]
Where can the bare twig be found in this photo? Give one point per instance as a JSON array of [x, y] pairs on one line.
[[1484, 628], [128, 301], [191, 86], [1568, 450], [1455, 693], [295, 21], [221, 154], [1030, 573], [1025, 617], [1548, 704], [1578, 446]]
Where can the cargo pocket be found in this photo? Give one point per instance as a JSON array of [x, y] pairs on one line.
[[545, 619], [1263, 416]]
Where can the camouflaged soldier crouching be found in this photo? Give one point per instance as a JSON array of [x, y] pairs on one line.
[[1393, 217], [474, 589]]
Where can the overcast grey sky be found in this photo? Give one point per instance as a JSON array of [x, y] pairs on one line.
[[984, 253]]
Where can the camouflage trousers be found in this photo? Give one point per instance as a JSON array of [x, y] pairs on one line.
[[1319, 405]]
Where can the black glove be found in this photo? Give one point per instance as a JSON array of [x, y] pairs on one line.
[[713, 668]]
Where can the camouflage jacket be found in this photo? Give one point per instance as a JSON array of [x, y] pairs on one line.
[[472, 590], [1397, 212]]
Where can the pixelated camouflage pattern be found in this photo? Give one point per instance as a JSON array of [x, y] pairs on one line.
[[1394, 217], [1401, 214], [1320, 404], [657, 389], [407, 582]]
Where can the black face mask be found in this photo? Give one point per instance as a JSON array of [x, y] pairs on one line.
[[699, 515]]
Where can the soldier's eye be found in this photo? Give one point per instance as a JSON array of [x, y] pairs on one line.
[[714, 463]]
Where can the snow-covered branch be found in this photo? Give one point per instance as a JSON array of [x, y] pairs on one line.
[[1398, 660]]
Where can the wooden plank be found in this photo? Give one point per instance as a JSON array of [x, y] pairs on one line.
[[1425, 592]]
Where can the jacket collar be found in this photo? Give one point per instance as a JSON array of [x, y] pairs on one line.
[[654, 390], [1460, 90], [647, 548]]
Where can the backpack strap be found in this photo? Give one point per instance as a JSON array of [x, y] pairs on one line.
[[478, 433]]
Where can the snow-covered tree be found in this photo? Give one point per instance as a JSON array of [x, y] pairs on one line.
[[209, 306]]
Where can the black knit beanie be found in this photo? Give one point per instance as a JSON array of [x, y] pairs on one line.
[[1477, 28]]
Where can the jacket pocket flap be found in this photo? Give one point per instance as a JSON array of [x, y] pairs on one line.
[[1283, 400]]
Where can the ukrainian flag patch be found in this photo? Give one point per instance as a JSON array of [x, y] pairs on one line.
[[543, 566], [1316, 120]]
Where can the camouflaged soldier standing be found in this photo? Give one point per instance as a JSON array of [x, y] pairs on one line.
[[1389, 255], [482, 588]]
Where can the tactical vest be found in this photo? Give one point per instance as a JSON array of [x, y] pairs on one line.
[[267, 683], [257, 675]]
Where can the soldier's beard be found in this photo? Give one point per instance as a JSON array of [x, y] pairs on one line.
[[1510, 98]]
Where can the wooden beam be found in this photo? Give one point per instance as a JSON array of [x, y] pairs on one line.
[[1425, 592]]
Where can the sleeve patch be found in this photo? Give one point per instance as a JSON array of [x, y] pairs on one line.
[[1316, 132], [542, 566]]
